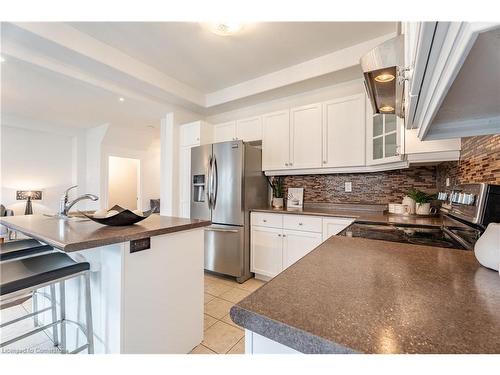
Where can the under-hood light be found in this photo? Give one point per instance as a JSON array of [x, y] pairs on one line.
[[386, 108], [384, 77]]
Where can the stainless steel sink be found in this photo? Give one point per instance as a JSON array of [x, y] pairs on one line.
[[73, 218]]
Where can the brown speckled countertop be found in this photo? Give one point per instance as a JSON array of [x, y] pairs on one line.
[[79, 234], [369, 296], [362, 213]]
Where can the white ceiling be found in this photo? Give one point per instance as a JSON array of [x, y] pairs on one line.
[[71, 75], [30, 92], [193, 55]]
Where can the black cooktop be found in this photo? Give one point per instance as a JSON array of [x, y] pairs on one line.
[[418, 235]]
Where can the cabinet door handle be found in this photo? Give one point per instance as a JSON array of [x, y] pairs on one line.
[[284, 235], [279, 235], [324, 162], [264, 220], [286, 164], [300, 224], [290, 164]]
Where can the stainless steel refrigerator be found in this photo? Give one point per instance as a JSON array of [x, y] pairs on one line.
[[226, 182]]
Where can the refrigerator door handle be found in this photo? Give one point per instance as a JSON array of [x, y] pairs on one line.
[[209, 182], [216, 182], [221, 230]]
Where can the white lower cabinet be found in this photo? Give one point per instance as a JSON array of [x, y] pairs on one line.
[[298, 244], [266, 251], [279, 240], [334, 225], [258, 344]]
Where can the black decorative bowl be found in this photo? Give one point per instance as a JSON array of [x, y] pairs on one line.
[[122, 218]]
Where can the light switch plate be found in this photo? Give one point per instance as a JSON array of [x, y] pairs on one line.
[[447, 181], [348, 187]]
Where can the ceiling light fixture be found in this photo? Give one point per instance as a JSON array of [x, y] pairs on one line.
[[384, 77], [121, 99], [225, 28], [386, 108]]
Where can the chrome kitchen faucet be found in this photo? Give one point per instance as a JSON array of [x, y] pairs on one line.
[[65, 205]]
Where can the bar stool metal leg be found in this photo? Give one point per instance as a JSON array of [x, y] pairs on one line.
[[88, 313], [62, 291], [54, 314], [34, 307]]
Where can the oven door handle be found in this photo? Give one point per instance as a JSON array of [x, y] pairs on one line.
[[458, 239]]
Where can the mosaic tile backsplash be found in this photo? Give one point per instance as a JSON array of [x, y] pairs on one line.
[[367, 188], [479, 162]]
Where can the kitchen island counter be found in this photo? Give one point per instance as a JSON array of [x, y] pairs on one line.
[[137, 304], [79, 233], [354, 295]]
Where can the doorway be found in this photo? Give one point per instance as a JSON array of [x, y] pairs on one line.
[[124, 182]]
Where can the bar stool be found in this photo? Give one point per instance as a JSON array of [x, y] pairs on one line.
[[21, 277], [15, 250], [22, 249]]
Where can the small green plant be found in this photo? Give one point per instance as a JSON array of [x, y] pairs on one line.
[[419, 196], [276, 184]]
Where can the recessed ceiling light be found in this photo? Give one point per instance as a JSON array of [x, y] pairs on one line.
[[121, 99], [384, 77], [386, 108], [225, 28]]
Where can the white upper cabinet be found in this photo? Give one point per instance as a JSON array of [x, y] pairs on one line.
[[306, 137], [276, 141], [225, 132], [430, 151], [344, 132], [249, 129], [195, 133], [385, 137]]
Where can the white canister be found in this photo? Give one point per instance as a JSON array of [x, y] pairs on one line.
[[425, 209], [487, 247], [410, 202]]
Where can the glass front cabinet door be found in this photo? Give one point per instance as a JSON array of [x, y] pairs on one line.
[[384, 133]]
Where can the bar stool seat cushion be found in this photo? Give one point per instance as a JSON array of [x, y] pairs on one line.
[[28, 247], [29, 272]]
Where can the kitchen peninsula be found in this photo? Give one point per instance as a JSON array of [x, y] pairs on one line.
[[355, 295], [146, 297]]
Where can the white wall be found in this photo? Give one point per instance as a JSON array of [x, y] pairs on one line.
[[51, 162], [123, 179], [35, 160], [137, 144]]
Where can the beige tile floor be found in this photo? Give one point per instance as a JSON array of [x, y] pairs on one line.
[[221, 335], [40, 343]]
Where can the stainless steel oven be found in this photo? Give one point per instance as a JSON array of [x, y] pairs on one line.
[[467, 210]]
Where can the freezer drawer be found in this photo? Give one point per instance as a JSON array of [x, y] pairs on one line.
[[224, 249]]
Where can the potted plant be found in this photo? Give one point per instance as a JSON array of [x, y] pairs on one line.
[[276, 184], [422, 201]]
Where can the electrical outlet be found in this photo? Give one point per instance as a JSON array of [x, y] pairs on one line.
[[348, 187]]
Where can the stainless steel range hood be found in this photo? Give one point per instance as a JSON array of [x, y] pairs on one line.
[[382, 69]]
